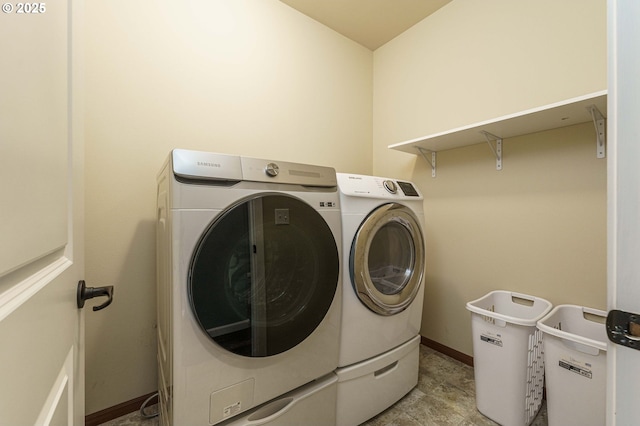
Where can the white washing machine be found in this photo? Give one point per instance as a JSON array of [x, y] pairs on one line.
[[249, 286], [383, 246]]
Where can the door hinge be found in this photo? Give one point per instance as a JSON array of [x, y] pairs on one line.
[[623, 328]]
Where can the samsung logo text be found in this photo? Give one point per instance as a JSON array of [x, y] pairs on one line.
[[207, 164]]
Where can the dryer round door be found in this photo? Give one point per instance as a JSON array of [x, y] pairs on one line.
[[387, 259], [264, 275]]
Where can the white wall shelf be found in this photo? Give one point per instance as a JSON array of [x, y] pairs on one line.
[[591, 107]]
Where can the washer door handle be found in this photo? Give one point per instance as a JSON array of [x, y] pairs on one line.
[[85, 293]]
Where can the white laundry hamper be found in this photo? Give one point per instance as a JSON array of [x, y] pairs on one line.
[[507, 356], [575, 353]]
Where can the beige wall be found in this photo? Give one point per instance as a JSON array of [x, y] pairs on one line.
[[477, 60], [244, 77], [539, 225]]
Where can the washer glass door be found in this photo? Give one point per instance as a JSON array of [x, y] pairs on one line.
[[387, 259], [264, 275]]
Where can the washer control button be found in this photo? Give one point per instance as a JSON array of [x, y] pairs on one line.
[[272, 169], [390, 186]]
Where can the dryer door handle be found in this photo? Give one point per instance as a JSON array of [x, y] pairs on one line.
[[85, 293]]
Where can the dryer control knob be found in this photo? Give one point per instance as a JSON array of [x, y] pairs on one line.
[[390, 186], [272, 169]]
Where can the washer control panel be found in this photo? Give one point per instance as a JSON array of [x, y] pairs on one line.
[[272, 169], [199, 165]]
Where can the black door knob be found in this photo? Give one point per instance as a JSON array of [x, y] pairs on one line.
[[85, 293]]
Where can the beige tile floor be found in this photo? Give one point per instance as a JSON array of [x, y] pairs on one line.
[[445, 395]]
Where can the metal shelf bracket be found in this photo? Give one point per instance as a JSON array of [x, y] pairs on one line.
[[600, 125], [497, 151], [430, 156]]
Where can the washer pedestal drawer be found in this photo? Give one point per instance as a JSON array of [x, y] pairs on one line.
[[313, 404]]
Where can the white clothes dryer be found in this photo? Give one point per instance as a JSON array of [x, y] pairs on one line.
[[383, 246], [249, 284]]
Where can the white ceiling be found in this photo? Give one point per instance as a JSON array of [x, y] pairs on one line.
[[371, 23]]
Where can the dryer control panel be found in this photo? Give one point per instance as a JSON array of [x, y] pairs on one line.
[[390, 186], [377, 187], [408, 189]]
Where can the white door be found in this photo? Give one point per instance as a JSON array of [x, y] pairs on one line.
[[41, 217], [623, 387]]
